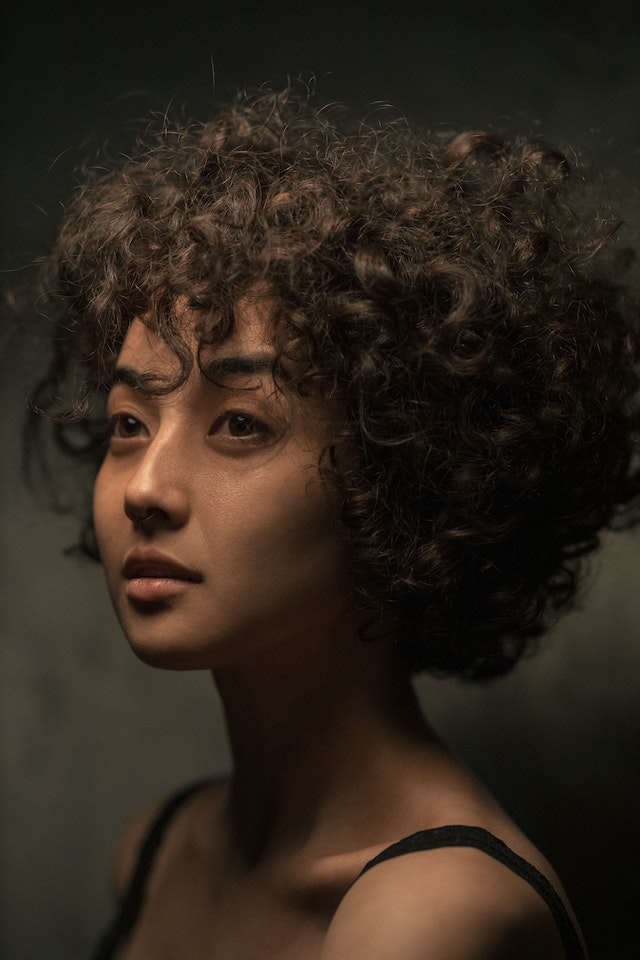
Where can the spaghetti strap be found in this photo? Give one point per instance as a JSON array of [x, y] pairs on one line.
[[464, 836], [131, 904]]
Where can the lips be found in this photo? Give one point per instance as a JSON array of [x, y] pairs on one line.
[[154, 577]]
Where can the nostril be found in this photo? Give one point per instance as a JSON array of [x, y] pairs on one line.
[[138, 518], [140, 515]]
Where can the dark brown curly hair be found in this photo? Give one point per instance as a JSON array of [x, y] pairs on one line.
[[451, 295]]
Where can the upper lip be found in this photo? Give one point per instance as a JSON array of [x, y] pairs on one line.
[[153, 563]]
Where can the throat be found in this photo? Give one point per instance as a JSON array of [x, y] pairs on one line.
[[303, 763]]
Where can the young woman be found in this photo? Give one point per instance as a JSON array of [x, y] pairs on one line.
[[367, 402]]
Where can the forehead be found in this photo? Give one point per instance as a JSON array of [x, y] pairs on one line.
[[252, 335]]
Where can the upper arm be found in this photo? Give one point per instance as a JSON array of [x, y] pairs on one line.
[[442, 905]]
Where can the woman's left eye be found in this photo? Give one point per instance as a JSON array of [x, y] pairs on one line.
[[241, 426], [124, 427]]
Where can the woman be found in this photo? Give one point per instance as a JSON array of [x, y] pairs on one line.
[[368, 403]]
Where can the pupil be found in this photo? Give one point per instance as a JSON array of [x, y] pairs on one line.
[[240, 425]]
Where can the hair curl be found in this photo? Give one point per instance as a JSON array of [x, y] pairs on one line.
[[450, 295]]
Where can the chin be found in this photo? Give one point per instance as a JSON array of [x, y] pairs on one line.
[[162, 660], [168, 657], [166, 650]]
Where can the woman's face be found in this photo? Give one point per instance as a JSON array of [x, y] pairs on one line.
[[241, 547]]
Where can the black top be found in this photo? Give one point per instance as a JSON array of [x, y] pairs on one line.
[[449, 836]]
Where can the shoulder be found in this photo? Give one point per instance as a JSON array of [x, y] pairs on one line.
[[173, 811], [442, 904]]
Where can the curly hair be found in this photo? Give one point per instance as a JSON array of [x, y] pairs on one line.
[[451, 294]]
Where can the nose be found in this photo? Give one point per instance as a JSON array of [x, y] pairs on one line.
[[157, 493]]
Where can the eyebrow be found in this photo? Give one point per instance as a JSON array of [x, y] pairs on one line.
[[130, 378], [215, 370], [220, 368]]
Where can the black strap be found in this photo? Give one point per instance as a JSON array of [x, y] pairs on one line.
[[131, 904], [462, 836]]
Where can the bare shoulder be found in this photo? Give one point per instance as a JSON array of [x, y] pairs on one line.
[[443, 904], [133, 836]]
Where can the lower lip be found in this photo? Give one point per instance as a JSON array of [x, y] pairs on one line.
[[156, 589]]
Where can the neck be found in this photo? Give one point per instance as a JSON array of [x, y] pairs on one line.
[[308, 733]]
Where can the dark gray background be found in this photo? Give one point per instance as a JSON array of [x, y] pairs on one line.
[[87, 733]]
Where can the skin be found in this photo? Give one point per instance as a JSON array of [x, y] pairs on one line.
[[332, 758]]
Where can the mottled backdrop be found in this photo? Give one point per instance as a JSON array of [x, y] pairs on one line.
[[87, 733]]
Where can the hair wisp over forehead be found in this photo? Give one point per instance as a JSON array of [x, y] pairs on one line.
[[453, 295]]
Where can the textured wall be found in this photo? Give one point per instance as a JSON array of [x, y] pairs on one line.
[[87, 733]]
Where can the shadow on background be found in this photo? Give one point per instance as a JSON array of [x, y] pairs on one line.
[[88, 733]]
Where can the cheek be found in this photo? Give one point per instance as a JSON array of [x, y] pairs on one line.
[[293, 533], [107, 508], [99, 506]]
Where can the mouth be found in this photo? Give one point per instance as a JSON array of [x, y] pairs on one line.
[[153, 577]]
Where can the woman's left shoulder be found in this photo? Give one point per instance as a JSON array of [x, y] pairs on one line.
[[450, 903]]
